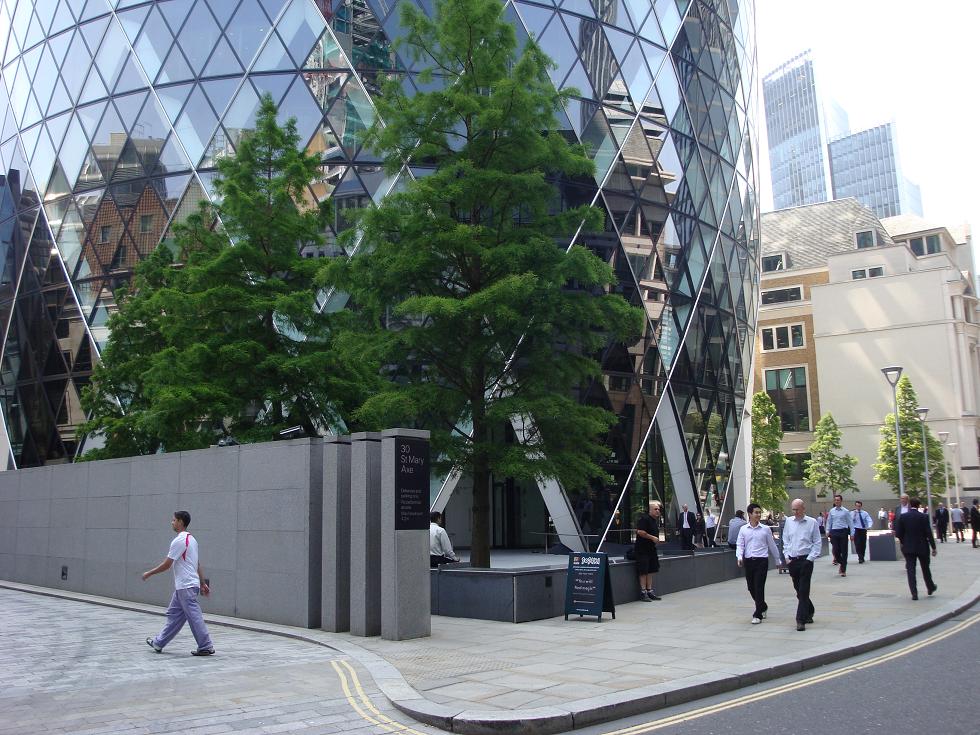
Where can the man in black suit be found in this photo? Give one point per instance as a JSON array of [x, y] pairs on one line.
[[914, 530], [942, 522], [686, 521]]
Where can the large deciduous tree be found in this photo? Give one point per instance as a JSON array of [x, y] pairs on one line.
[[768, 462], [225, 338], [828, 469], [479, 312]]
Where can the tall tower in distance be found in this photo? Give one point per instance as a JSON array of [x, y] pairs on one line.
[[799, 126]]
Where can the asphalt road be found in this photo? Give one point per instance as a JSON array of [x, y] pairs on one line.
[[926, 684]]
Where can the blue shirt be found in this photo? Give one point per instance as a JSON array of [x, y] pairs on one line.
[[839, 519], [801, 538], [857, 516]]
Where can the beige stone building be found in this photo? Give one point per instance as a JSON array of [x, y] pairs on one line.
[[844, 294]]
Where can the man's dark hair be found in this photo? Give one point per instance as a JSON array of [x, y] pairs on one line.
[[434, 516], [838, 495], [183, 516], [752, 507], [914, 503], [859, 502], [740, 513]]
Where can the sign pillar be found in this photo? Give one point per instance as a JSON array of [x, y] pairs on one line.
[[365, 534], [405, 467], [335, 601]]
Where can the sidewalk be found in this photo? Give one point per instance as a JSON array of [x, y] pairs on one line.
[[547, 676]]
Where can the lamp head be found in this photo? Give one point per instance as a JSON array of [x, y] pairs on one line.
[[923, 412], [892, 374]]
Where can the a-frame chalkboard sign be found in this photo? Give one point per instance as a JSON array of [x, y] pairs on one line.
[[588, 590]]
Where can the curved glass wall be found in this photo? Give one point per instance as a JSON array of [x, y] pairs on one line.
[[113, 113]]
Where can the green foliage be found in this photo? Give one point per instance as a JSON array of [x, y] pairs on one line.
[[228, 341], [913, 461], [768, 462], [478, 313], [827, 469]]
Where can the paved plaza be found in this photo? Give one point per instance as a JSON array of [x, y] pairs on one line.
[[67, 665]]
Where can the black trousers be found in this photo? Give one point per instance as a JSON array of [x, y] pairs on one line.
[[687, 538], [923, 560], [942, 531], [860, 542], [756, 570], [801, 570], [838, 542]]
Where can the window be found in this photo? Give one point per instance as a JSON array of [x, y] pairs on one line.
[[105, 232], [772, 263], [875, 272], [782, 295], [796, 465], [932, 244], [787, 388], [146, 223], [865, 239], [867, 273], [782, 338], [916, 244], [858, 274]]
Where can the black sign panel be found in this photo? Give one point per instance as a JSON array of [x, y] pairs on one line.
[[411, 484], [588, 590]]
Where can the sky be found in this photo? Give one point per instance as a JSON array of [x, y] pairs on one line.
[[914, 63]]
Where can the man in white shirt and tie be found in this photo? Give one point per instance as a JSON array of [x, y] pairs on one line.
[[752, 549], [862, 522], [801, 547]]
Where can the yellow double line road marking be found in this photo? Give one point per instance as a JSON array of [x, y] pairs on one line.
[[362, 703], [776, 691]]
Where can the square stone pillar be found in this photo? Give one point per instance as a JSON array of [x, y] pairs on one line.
[[365, 534], [405, 468], [335, 607]]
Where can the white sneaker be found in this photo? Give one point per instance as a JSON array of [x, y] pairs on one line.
[[756, 621]]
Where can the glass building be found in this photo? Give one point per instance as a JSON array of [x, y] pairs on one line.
[[799, 126], [866, 166], [114, 112]]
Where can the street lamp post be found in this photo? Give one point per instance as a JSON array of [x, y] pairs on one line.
[[943, 436], [892, 375], [956, 478], [923, 412]]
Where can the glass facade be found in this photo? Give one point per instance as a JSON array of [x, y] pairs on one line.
[[866, 166], [114, 112]]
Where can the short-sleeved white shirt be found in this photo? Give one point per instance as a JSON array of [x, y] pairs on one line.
[[183, 550]]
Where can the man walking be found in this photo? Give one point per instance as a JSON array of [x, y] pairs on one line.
[[861, 522], [801, 547], [188, 581], [645, 550], [915, 532], [752, 549], [709, 528], [840, 526], [975, 520], [733, 527], [942, 522], [685, 525], [959, 522]]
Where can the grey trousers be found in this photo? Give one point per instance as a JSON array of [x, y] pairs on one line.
[[184, 608]]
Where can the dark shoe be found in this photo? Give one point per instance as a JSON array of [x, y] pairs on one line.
[[763, 616], [644, 598], [808, 621], [915, 596], [843, 574], [654, 597], [154, 646], [800, 626], [203, 652], [860, 561], [933, 589]]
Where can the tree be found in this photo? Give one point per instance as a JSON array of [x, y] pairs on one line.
[[481, 317], [768, 462], [886, 468], [826, 468], [227, 340]]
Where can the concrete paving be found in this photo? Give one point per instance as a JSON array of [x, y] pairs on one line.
[[548, 676]]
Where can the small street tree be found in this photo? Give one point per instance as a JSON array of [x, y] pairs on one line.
[[225, 339], [913, 462], [477, 310], [827, 469], [768, 462]]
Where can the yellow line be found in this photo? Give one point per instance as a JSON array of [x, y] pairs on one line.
[[750, 698], [382, 720]]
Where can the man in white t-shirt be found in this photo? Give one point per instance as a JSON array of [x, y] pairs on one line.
[[188, 581]]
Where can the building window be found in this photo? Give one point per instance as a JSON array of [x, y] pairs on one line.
[[773, 263], [916, 244], [932, 244], [867, 273], [796, 465], [105, 232], [786, 337], [787, 388], [782, 295], [865, 239], [146, 223], [858, 274], [875, 272]]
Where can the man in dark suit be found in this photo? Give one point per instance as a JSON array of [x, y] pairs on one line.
[[914, 530], [942, 522], [686, 521], [975, 521]]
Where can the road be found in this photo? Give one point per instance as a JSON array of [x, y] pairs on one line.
[[925, 684], [73, 667]]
